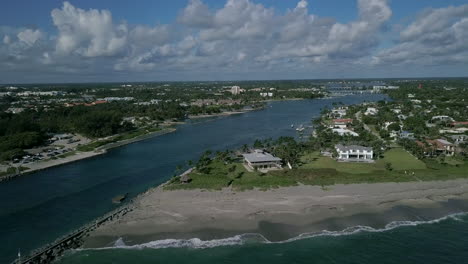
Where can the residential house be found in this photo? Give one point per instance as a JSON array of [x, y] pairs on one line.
[[14, 110], [339, 112], [261, 160], [402, 117], [459, 123], [344, 132], [441, 118], [371, 111], [458, 139], [406, 135], [354, 153], [341, 123], [442, 146]]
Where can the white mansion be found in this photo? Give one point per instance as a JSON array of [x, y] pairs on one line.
[[354, 153]]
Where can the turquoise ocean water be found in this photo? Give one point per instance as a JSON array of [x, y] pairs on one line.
[[443, 240]]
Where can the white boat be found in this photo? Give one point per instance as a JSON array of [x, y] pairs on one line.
[[300, 129]]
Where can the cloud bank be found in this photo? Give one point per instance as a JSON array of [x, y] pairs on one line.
[[243, 38]]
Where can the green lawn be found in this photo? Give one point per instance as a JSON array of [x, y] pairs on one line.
[[401, 160], [398, 157], [315, 161], [239, 178], [324, 171]]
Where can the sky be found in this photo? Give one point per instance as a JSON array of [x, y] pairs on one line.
[[56, 41]]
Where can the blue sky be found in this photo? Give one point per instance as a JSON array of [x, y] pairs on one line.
[[115, 40], [23, 13]]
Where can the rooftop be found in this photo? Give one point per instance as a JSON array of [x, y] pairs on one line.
[[260, 156], [352, 147]]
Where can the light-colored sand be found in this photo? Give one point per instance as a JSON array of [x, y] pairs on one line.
[[159, 211], [40, 165]]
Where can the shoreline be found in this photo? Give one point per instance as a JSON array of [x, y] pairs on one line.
[[82, 155], [227, 113], [278, 214]]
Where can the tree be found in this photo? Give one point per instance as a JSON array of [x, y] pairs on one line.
[[394, 127], [388, 166]]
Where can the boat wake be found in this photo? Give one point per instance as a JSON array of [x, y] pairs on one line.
[[258, 238]]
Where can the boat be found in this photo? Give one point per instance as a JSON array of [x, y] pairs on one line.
[[119, 198], [300, 129], [292, 126]]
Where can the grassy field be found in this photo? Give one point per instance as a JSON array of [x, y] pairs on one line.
[[397, 157], [323, 171], [234, 175], [401, 160]]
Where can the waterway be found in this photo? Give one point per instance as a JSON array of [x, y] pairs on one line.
[[38, 208]]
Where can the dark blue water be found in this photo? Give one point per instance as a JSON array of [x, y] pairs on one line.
[[443, 241], [38, 208]]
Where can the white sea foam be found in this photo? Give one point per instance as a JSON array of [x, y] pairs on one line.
[[249, 237]]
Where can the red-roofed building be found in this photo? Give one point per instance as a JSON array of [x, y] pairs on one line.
[[459, 123], [341, 123]]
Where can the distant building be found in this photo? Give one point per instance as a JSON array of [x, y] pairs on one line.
[[459, 123], [261, 160], [406, 135], [354, 153], [458, 139], [15, 110], [371, 111], [112, 99], [236, 90], [266, 94], [61, 136], [402, 117], [441, 118], [384, 87]]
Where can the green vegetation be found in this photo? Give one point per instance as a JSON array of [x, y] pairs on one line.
[[29, 115], [314, 169]]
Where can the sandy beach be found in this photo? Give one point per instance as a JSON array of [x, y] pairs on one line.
[[279, 214]]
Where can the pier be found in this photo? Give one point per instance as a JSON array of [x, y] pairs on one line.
[[53, 251]]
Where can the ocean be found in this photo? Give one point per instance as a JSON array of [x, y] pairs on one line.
[[38, 208], [444, 240]]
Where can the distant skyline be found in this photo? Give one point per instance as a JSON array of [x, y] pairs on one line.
[[118, 41]]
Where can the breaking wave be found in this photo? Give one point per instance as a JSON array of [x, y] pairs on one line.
[[258, 238]]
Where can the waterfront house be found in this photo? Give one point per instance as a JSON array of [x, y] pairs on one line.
[[344, 132], [339, 112], [261, 160], [354, 153], [442, 146], [341, 123]]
